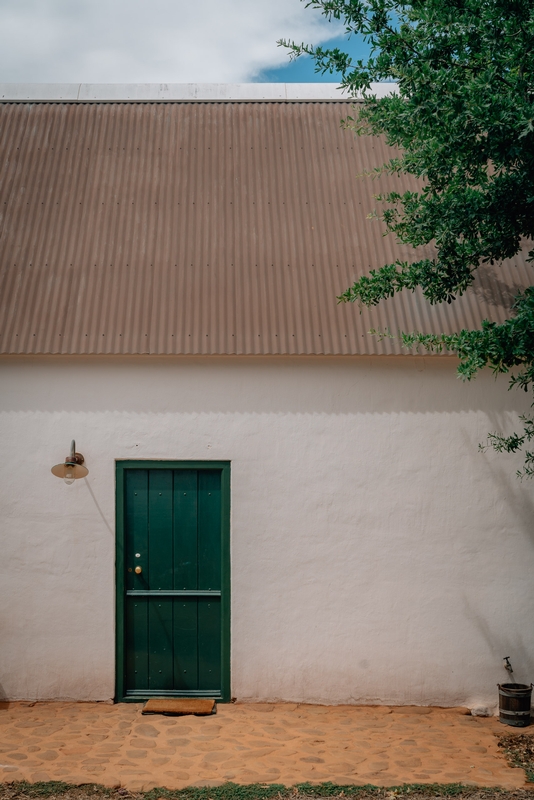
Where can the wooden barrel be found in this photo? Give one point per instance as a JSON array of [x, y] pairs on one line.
[[514, 704]]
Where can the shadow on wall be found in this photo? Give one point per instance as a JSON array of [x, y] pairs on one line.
[[276, 385], [503, 640], [500, 644], [98, 508], [501, 469]]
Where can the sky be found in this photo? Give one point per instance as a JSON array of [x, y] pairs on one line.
[[161, 41]]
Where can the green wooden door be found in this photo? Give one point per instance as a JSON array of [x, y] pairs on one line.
[[173, 564]]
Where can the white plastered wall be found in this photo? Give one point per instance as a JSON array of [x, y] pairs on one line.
[[377, 555]]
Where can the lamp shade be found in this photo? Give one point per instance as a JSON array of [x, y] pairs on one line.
[[72, 468], [78, 471]]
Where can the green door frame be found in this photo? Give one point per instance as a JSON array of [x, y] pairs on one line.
[[224, 466]]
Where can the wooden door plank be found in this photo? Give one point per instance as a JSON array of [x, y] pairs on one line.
[[209, 529], [136, 635], [185, 643], [160, 643], [136, 622], [136, 519], [160, 533], [185, 529], [209, 643]]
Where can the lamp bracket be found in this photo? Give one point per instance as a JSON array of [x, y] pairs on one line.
[[74, 457]]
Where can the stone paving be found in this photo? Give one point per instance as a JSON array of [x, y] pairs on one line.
[[250, 743]]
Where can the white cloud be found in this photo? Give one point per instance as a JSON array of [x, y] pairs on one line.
[[145, 41]]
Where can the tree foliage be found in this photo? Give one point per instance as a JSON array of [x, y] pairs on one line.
[[462, 118]]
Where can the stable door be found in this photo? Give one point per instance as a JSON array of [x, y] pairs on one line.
[[173, 580]]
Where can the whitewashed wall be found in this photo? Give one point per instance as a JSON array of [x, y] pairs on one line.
[[377, 556]]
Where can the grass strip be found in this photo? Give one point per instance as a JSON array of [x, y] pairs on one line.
[[21, 790]]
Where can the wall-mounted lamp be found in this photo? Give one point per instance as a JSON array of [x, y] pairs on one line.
[[72, 468]]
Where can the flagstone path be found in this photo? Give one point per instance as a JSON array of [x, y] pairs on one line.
[[250, 743]]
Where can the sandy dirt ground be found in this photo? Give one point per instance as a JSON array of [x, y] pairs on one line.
[[115, 745]]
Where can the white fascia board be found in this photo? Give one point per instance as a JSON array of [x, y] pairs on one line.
[[187, 92], [39, 91]]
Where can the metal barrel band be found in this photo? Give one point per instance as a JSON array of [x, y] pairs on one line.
[[519, 691], [515, 713]]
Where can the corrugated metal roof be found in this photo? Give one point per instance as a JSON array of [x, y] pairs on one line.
[[201, 228]]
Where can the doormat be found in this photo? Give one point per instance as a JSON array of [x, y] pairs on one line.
[[180, 707]]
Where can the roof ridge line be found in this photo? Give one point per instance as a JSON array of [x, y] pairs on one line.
[[179, 92]]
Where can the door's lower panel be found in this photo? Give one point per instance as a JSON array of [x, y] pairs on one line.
[[173, 645]]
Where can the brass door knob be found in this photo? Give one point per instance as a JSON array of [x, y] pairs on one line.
[[138, 570]]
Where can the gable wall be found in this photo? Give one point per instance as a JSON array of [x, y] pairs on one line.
[[377, 556]]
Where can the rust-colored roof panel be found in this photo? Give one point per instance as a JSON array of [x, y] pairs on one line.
[[201, 228]]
